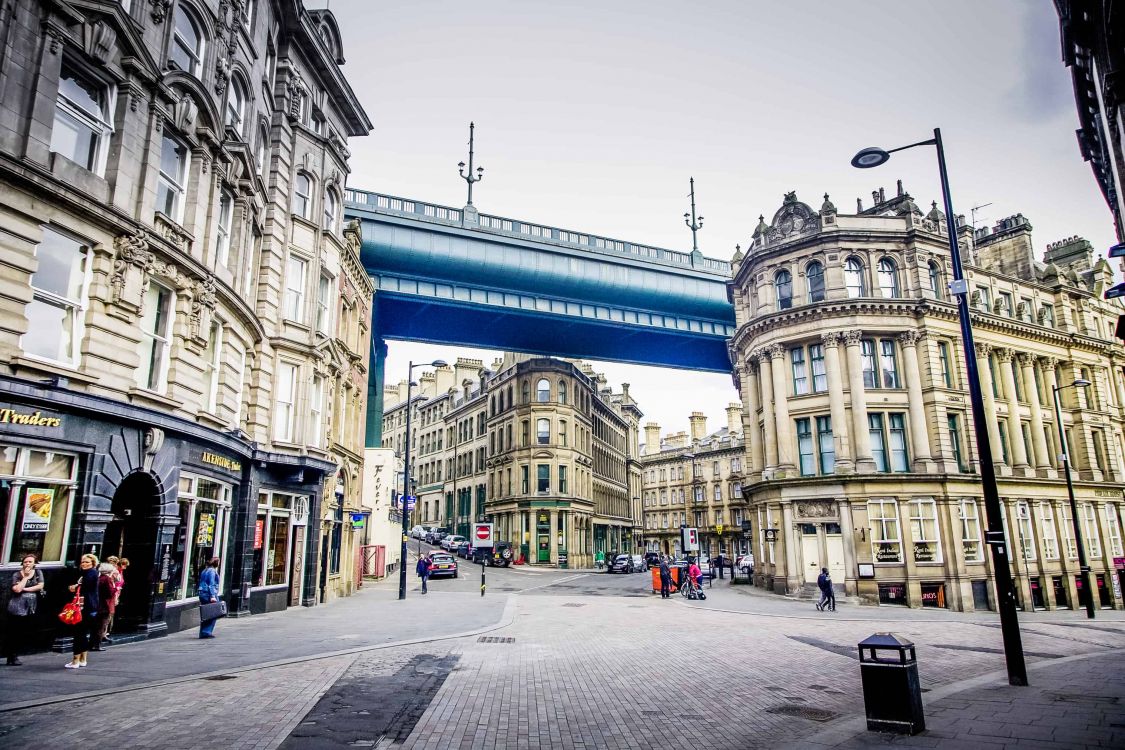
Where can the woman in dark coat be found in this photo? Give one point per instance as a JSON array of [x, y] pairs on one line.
[[85, 631], [26, 584]]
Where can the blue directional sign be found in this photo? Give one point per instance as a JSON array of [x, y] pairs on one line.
[[410, 501]]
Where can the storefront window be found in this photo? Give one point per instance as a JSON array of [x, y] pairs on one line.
[[970, 531], [886, 544], [202, 532], [923, 529], [278, 512], [36, 494]]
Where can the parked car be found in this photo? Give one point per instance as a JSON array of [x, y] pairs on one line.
[[639, 564], [420, 531], [499, 555], [705, 566], [745, 563], [450, 542], [621, 564], [465, 549], [444, 564], [652, 559], [435, 535]]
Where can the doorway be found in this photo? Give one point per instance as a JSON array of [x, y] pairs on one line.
[[834, 552], [132, 534], [810, 552]]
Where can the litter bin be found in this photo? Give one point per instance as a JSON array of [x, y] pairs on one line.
[[892, 696]]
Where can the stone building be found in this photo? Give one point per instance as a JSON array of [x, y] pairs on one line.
[[696, 480], [860, 443], [540, 446], [179, 304]]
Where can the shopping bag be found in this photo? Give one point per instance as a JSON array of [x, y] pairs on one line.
[[72, 613]]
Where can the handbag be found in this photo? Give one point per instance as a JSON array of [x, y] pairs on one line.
[[212, 610], [72, 613]]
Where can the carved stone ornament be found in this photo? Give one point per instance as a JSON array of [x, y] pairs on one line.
[[853, 337], [794, 217], [203, 300], [816, 509], [777, 351], [55, 39], [909, 338], [159, 10], [1050, 363], [131, 261], [1004, 354], [983, 349], [1026, 359], [832, 338], [99, 41], [184, 113]]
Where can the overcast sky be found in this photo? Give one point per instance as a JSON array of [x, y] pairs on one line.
[[592, 116]]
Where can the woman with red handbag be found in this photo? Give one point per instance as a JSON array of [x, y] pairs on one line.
[[86, 594]]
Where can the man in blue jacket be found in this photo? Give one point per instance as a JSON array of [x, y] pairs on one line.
[[208, 593], [423, 569]]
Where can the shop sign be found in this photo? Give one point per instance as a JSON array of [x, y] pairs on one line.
[[888, 553], [1107, 493], [359, 520], [866, 570], [771, 535], [37, 509], [205, 536], [28, 419], [1119, 562], [222, 462], [259, 532], [718, 528], [923, 552]]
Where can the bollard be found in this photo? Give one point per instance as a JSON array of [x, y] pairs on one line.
[[892, 695], [482, 577]]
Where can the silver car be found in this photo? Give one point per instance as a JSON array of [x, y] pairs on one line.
[[638, 563]]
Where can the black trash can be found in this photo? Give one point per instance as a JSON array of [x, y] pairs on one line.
[[892, 695]]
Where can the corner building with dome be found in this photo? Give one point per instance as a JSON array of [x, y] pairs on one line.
[[860, 443]]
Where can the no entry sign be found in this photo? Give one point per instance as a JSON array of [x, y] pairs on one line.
[[482, 535]]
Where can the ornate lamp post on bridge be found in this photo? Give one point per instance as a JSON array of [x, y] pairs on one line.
[[470, 177], [692, 222]]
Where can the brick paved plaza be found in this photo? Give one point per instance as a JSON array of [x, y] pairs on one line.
[[569, 660]]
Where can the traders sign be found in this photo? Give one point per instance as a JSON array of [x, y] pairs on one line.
[[28, 419]]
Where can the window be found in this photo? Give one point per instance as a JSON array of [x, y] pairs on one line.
[[278, 514], [295, 289], [878, 446], [562, 392], [899, 459], [953, 422], [1027, 535], [187, 42], [867, 355], [36, 494], [58, 298], [261, 153], [543, 391], [1099, 449], [936, 286], [819, 374], [156, 333], [946, 367], [331, 210], [524, 480], [1026, 310], [1090, 530], [83, 125], [543, 478], [1005, 304], [783, 283], [970, 532], [240, 369], [815, 276], [805, 448], [1113, 530], [984, 299], [248, 14], [172, 182], [236, 107], [1047, 532], [888, 278], [826, 445], [735, 465], [887, 364], [212, 361], [924, 532], [543, 431], [302, 190], [562, 433], [285, 385], [1047, 315], [886, 544], [324, 305], [200, 535], [562, 480], [853, 278], [1068, 533], [316, 412], [222, 229], [525, 393], [800, 378]]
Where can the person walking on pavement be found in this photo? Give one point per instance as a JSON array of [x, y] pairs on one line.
[[209, 592], [425, 565], [85, 630], [27, 583], [827, 596], [665, 579], [107, 602]]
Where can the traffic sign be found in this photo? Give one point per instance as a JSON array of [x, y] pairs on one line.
[[690, 539], [410, 501], [482, 535]]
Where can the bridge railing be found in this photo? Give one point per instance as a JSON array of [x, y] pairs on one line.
[[431, 212]]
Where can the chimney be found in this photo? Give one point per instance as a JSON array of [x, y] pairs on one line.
[[900, 190], [426, 385], [698, 426], [734, 418], [444, 378], [466, 388], [652, 438]]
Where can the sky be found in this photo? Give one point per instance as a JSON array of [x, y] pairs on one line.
[[592, 116]]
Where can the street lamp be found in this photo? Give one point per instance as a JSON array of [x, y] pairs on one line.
[[406, 475], [1083, 566], [1005, 589]]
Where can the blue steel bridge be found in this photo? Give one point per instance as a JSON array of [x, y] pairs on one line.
[[448, 276]]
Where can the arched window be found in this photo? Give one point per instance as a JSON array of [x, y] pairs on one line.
[[261, 153], [888, 278], [543, 391], [236, 106], [187, 41], [543, 431], [935, 281], [525, 393], [783, 283], [302, 191], [501, 400], [815, 275], [853, 278], [331, 209], [562, 392], [511, 400]]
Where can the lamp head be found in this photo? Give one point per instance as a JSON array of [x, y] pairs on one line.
[[438, 363], [870, 157], [1082, 383]]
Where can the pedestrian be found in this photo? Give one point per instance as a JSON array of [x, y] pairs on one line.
[[26, 588], [695, 574], [425, 565], [665, 579], [107, 594], [827, 597], [208, 593], [85, 630]]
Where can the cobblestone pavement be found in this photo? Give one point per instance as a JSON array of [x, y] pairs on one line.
[[591, 661]]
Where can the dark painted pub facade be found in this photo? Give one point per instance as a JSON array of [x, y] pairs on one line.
[[81, 473]]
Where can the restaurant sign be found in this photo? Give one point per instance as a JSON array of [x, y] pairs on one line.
[[222, 462]]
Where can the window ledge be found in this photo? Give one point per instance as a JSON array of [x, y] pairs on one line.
[[152, 398], [208, 419], [45, 366]]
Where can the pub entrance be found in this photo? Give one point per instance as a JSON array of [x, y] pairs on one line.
[[132, 535]]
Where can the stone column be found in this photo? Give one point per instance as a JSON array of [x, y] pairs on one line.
[[1049, 383], [553, 541], [792, 575], [1018, 450], [1042, 461], [861, 435], [768, 420], [750, 405], [785, 463], [985, 373], [840, 431], [1118, 385], [847, 531], [920, 435]]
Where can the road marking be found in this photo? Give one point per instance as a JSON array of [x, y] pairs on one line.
[[552, 583]]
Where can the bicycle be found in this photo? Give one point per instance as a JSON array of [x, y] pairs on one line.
[[692, 590]]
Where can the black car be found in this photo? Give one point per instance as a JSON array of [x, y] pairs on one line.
[[498, 556], [652, 559], [621, 564]]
